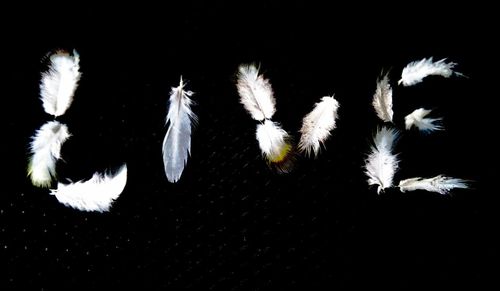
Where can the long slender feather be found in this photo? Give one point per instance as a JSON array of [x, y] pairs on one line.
[[317, 125], [59, 83], [255, 92], [177, 142], [275, 145], [95, 194], [382, 99], [418, 119], [46, 150], [439, 184], [381, 163], [416, 71]]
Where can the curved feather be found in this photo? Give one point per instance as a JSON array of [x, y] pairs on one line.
[[382, 99], [439, 184], [418, 119], [255, 92], [381, 163], [95, 194], [46, 150], [274, 142], [416, 71], [317, 125], [177, 142], [59, 83]]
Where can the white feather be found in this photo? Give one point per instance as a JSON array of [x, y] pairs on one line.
[[272, 140], [317, 125], [177, 142], [381, 163], [255, 92], [416, 71], [59, 83], [96, 194], [46, 150], [418, 119], [439, 184], [382, 99]]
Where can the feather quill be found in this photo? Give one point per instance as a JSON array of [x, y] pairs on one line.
[[382, 99], [416, 71], [381, 163], [439, 184], [46, 150], [317, 125], [275, 145], [255, 92], [418, 119], [59, 83], [177, 142], [95, 194]]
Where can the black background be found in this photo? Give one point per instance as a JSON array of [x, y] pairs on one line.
[[230, 222]]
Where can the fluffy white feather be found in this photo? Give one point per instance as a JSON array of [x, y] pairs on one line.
[[416, 71], [177, 142], [46, 150], [317, 125], [439, 184], [255, 93], [382, 99], [274, 144], [381, 163], [59, 83], [96, 194], [418, 119]]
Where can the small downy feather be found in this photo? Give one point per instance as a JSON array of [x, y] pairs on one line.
[[381, 163], [255, 92], [177, 142], [416, 71], [275, 145], [95, 194], [439, 184], [46, 150], [418, 119], [59, 83], [317, 125], [382, 99]]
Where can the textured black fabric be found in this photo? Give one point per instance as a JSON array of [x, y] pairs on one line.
[[231, 223]]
